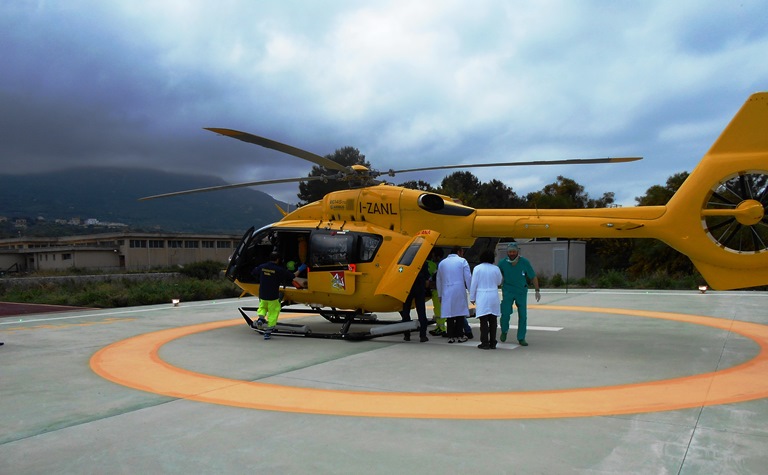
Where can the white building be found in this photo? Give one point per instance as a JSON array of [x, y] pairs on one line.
[[114, 251]]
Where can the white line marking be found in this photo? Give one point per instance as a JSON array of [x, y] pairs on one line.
[[543, 329]]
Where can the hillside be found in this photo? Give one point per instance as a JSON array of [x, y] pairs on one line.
[[110, 195]]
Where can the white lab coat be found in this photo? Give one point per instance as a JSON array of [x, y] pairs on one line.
[[484, 291], [453, 281]]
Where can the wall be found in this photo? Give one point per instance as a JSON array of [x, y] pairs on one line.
[[11, 262], [81, 258]]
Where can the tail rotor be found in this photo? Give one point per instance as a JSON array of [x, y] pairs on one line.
[[734, 215]]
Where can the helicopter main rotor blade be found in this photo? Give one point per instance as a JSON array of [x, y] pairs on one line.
[[280, 147], [234, 185], [569, 161]]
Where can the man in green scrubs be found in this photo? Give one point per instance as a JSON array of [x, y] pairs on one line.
[[518, 275]]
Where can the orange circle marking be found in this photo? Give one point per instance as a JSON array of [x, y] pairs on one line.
[[135, 363]]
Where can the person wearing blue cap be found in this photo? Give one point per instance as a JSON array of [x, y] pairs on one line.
[[271, 276], [518, 275]]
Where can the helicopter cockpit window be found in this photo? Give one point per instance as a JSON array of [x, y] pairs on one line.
[[407, 258], [262, 245], [253, 250], [369, 244], [331, 250]]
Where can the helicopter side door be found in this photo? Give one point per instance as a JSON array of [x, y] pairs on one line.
[[235, 266], [398, 279]]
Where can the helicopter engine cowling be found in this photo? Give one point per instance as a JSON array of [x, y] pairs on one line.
[[431, 202]]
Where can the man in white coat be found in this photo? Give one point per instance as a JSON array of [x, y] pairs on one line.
[[453, 281], [484, 293]]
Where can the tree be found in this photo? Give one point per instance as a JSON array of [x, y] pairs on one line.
[[417, 185], [315, 190], [608, 254], [496, 194], [460, 186], [603, 202], [565, 193], [660, 195]]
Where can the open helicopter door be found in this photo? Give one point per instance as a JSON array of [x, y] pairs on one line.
[[235, 267], [398, 279]]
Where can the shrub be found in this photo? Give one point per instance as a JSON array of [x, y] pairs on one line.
[[659, 280], [612, 279], [557, 281], [203, 270]]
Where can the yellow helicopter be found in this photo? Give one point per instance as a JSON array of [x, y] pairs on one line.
[[364, 246]]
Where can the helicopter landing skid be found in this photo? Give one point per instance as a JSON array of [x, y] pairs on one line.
[[337, 316], [292, 329]]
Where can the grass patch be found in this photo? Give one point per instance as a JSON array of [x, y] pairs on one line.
[[118, 292]]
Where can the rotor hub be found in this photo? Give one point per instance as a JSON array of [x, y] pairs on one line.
[[749, 212]]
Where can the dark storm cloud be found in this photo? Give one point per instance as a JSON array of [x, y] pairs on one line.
[[432, 83], [88, 89]]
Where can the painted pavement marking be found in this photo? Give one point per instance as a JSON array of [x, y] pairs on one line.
[[135, 363]]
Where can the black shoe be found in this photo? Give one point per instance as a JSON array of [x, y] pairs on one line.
[[492, 346], [406, 337], [423, 339], [452, 340], [436, 332], [469, 335], [461, 339], [483, 346]]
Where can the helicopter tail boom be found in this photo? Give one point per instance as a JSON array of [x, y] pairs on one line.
[[717, 217]]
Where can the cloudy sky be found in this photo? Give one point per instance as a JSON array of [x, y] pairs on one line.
[[408, 83]]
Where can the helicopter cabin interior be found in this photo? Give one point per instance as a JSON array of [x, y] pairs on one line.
[[317, 249]]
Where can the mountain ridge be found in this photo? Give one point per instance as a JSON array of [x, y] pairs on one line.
[[110, 194]]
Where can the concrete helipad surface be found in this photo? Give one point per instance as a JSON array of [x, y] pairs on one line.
[[612, 382]]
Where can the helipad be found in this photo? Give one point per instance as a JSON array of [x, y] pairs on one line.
[[122, 363], [640, 382]]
